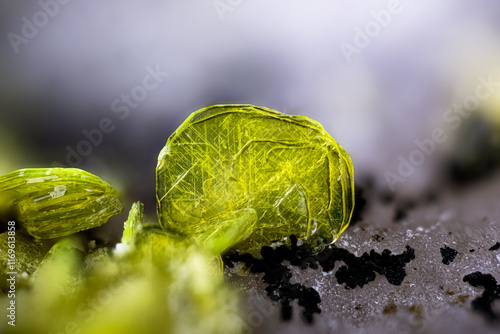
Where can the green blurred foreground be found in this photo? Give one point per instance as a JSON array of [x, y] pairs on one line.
[[151, 283]]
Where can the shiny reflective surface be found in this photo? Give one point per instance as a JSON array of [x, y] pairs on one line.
[[54, 202], [270, 173]]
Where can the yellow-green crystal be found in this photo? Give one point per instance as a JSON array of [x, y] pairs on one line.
[[272, 173], [179, 284], [54, 202], [133, 225]]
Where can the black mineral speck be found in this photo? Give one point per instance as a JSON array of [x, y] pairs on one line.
[[448, 254], [431, 196], [495, 247], [277, 277], [356, 271], [357, 214], [484, 303], [386, 197], [402, 209], [399, 214]]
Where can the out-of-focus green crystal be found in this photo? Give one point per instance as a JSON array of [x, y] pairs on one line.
[[164, 283], [21, 254], [64, 261], [269, 174], [224, 232], [54, 202]]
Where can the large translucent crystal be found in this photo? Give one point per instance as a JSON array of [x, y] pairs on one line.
[[267, 174]]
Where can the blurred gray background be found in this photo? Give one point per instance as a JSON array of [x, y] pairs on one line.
[[286, 54]]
